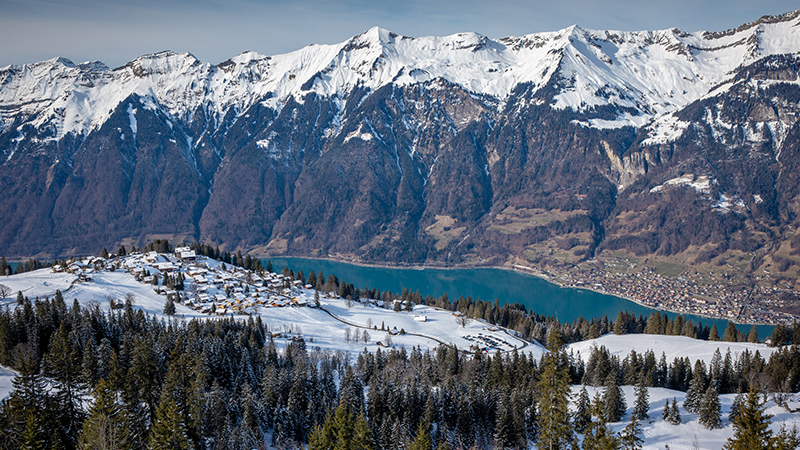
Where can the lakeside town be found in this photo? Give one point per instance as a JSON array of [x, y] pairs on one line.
[[673, 294]]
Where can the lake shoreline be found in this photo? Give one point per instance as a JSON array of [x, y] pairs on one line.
[[519, 269]]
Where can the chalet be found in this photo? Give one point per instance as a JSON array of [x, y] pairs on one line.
[[165, 267], [421, 318], [75, 267], [186, 255]]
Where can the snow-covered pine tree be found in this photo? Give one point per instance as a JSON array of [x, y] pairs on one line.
[[554, 427], [697, 387], [751, 425], [583, 412], [169, 306], [674, 414], [613, 400], [630, 438], [710, 409], [642, 403]]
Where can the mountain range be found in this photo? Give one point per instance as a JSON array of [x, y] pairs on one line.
[[665, 147]]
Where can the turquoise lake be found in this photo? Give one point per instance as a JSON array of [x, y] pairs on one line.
[[506, 286]]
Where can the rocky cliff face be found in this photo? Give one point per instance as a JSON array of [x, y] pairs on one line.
[[550, 148]]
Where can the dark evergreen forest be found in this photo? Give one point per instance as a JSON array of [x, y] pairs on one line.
[[88, 378]]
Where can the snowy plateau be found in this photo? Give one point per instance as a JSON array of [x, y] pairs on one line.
[[288, 310]]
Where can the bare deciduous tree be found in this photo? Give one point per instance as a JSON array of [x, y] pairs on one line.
[[4, 291], [463, 320], [365, 337]]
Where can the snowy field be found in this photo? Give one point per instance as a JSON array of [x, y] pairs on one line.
[[672, 346], [689, 434], [39, 283]]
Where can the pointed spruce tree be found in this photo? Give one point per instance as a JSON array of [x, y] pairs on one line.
[[583, 411], [750, 425], [642, 403], [630, 437], [710, 409], [613, 400], [697, 387], [107, 425], [674, 414], [168, 431], [555, 431]]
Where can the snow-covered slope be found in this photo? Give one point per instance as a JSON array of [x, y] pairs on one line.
[[689, 434], [324, 328], [646, 73], [672, 346]]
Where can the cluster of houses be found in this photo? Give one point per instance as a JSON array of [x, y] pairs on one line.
[[209, 286], [83, 268]]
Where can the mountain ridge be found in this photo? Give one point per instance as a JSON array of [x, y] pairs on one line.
[[574, 150]]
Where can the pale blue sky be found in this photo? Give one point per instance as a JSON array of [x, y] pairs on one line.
[[115, 31]]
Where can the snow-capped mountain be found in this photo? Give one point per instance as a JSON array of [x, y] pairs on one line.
[[647, 73], [455, 149]]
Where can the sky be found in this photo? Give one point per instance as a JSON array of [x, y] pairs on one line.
[[116, 32]]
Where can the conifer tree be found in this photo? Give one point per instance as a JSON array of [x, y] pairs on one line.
[[28, 407], [63, 365], [642, 403], [508, 429], [342, 430], [710, 409], [89, 364], [731, 333], [630, 438], [674, 416], [751, 425], [583, 411], [4, 268], [168, 431], [613, 400], [786, 439], [752, 336], [169, 306], [697, 387], [598, 435], [107, 426], [422, 440], [713, 335], [554, 427]]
